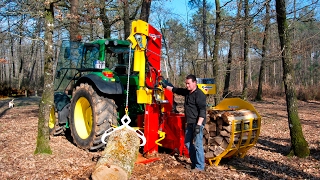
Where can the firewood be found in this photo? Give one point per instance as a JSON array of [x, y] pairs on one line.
[[206, 127], [212, 133], [220, 122], [213, 148], [224, 116], [220, 129], [212, 127], [238, 115], [218, 151], [227, 128], [225, 133], [215, 114], [206, 148], [118, 158], [212, 141], [218, 139], [204, 141], [209, 155], [224, 144], [227, 139], [205, 131]]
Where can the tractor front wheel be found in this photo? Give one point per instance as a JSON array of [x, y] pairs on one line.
[[90, 116], [54, 128]]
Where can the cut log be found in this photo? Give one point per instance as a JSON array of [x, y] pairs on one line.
[[209, 155], [212, 127], [218, 151], [225, 133], [213, 134], [204, 141], [206, 129], [224, 144], [227, 128], [224, 116], [241, 114], [118, 158], [213, 148], [218, 139]]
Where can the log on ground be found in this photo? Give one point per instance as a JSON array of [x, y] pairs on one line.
[[118, 158]]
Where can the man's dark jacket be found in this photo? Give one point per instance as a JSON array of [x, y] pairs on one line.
[[194, 104]]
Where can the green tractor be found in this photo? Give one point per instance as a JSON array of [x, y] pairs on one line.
[[90, 90]]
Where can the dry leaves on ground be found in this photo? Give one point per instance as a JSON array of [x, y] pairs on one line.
[[266, 160]]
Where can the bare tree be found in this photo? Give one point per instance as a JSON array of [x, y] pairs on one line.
[[264, 51], [228, 73], [299, 146], [126, 18], [246, 50], [46, 103], [216, 51], [74, 20], [204, 35], [145, 10]]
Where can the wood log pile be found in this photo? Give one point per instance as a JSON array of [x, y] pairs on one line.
[[217, 131]]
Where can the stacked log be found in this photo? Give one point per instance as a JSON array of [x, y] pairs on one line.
[[218, 127]]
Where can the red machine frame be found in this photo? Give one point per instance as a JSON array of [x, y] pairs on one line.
[[161, 126]]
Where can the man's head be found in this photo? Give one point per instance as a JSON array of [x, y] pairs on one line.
[[191, 82]]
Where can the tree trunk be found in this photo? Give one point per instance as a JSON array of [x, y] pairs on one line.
[[126, 18], [228, 73], [216, 52], [204, 35], [264, 51], [104, 19], [145, 10], [46, 102], [246, 51], [74, 21], [118, 158], [299, 146]]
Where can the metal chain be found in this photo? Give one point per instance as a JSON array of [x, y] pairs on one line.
[[129, 67]]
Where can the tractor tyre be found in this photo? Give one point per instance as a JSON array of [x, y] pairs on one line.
[[54, 128], [90, 116]]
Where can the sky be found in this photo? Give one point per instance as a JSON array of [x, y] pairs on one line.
[[179, 7]]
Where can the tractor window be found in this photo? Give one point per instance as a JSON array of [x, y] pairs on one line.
[[117, 57], [69, 57], [91, 55]]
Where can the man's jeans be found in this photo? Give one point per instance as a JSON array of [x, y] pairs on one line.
[[195, 146]]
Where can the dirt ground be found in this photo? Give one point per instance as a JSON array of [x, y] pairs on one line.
[[266, 160]]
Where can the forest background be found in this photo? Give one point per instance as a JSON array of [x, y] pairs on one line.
[[238, 47]]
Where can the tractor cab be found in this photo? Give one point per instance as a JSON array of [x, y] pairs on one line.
[[107, 58]]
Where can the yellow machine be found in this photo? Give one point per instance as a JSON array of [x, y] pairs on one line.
[[245, 130], [207, 85]]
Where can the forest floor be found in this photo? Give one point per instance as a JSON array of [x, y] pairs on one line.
[[266, 160]]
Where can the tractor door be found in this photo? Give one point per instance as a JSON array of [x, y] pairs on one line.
[[75, 60], [69, 57]]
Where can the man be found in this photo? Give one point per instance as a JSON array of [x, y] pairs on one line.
[[195, 113]]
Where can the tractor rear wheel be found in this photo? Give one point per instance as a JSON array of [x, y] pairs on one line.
[[90, 116]]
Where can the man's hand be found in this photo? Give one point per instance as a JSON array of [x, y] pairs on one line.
[[197, 129]]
